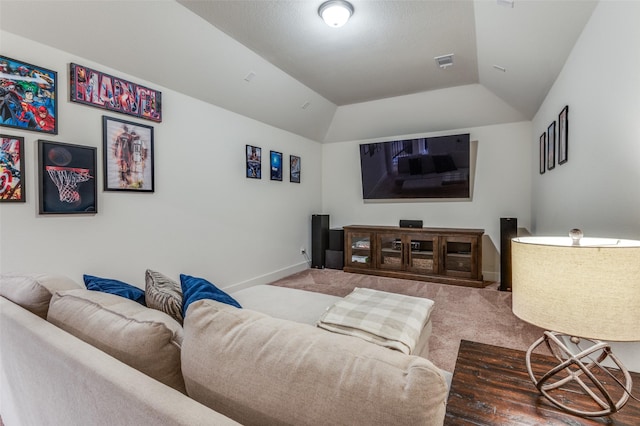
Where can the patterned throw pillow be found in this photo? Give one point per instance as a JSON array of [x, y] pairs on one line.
[[163, 294]]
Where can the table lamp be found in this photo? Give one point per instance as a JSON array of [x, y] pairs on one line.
[[586, 291]]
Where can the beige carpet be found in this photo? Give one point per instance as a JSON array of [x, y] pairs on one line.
[[481, 315]]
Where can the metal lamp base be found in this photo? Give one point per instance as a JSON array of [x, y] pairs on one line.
[[575, 376]]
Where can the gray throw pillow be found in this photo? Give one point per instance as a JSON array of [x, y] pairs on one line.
[[164, 294]]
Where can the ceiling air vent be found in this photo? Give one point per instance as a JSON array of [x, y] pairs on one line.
[[444, 61]]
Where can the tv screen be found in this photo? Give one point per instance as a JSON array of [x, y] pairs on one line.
[[437, 167]]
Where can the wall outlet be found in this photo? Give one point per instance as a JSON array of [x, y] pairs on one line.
[[303, 250]]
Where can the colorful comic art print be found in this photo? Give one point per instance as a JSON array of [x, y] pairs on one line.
[[11, 168], [100, 90], [28, 96], [254, 162], [128, 155]]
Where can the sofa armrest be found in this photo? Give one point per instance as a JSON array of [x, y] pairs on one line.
[[49, 376]]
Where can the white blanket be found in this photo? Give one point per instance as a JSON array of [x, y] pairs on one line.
[[387, 319]]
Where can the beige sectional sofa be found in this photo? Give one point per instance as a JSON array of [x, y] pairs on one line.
[[71, 356]]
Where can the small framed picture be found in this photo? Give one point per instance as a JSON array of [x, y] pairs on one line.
[[127, 155], [551, 146], [31, 98], [254, 162], [543, 153], [67, 178], [12, 169], [563, 135], [276, 165], [294, 168]]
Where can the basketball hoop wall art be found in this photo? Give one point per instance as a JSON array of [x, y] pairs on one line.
[[100, 90], [11, 168], [128, 155], [28, 96], [67, 178]]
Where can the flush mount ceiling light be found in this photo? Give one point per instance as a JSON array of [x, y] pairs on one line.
[[335, 13], [444, 61]]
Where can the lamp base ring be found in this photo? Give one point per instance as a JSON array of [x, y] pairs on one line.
[[577, 375]]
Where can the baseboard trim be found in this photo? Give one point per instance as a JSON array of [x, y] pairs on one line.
[[268, 278]]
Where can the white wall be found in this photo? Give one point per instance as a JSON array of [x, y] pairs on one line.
[[597, 189], [501, 188], [204, 218]]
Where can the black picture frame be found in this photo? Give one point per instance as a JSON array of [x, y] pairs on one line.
[[543, 153], [32, 101], [551, 146], [275, 160], [128, 155], [12, 187], [97, 89], [253, 162], [294, 168], [67, 178], [563, 135]]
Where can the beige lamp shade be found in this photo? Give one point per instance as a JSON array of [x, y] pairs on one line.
[[589, 290]]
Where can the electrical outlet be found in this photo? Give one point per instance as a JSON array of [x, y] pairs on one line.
[[303, 250]]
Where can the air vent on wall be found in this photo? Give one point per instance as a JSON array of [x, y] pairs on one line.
[[444, 61]]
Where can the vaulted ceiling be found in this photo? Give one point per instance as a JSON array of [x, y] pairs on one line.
[[267, 59]]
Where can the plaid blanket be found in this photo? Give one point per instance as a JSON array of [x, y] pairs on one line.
[[387, 319]]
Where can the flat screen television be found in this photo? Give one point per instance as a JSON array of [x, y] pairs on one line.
[[434, 168]]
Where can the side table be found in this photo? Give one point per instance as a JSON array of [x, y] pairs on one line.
[[491, 386]]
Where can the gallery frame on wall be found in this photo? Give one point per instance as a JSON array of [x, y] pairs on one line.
[[12, 188], [253, 162], [30, 99], [67, 178], [276, 165], [543, 153], [102, 90], [128, 155], [551, 146], [294, 169], [563, 135]]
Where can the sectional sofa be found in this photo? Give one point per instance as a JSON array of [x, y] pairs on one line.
[[73, 356]]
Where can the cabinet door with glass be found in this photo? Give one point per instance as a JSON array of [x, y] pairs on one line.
[[460, 256], [358, 249], [422, 254], [390, 251]]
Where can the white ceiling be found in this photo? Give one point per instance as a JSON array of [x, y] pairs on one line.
[[388, 47], [386, 50]]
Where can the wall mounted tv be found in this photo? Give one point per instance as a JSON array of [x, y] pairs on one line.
[[433, 168]]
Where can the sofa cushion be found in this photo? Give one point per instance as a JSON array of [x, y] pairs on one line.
[[145, 339], [164, 294], [261, 370], [33, 291], [194, 289], [108, 285]]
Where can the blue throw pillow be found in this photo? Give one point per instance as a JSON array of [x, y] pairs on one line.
[[107, 285], [194, 289]]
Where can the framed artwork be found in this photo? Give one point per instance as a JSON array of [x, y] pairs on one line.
[[101, 90], [254, 162], [128, 155], [12, 169], [67, 178], [276, 165], [543, 153], [294, 169], [563, 135], [30, 96], [551, 146]]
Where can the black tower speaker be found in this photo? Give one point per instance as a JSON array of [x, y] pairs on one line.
[[319, 239], [508, 230]]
